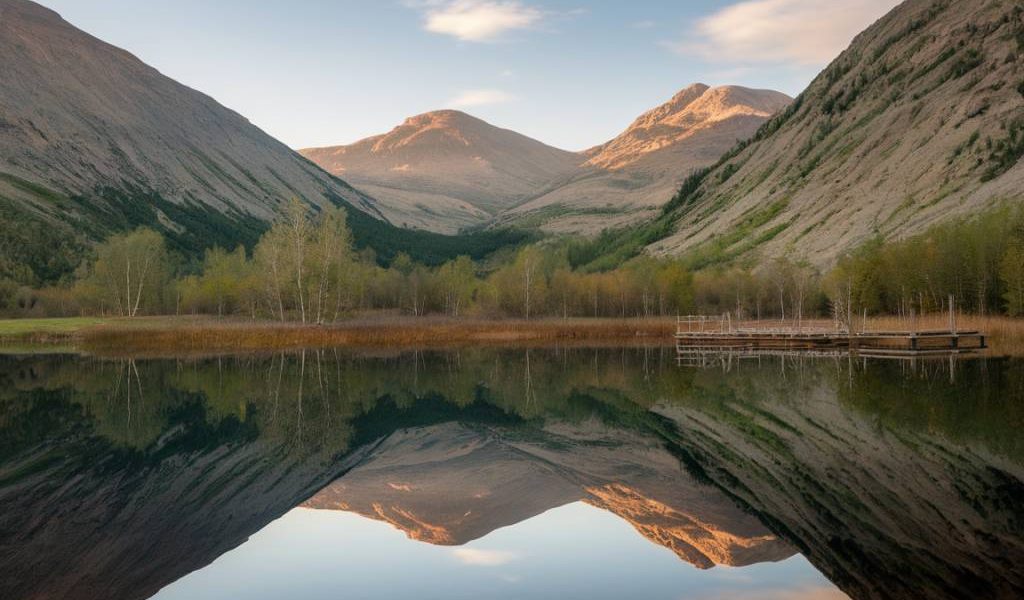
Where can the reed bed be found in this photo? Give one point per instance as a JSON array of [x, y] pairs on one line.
[[160, 338]]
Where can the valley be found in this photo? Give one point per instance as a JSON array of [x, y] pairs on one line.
[[447, 171]]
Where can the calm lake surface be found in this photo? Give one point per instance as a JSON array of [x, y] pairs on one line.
[[541, 473]]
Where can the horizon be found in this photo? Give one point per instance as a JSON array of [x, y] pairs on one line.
[[502, 57]]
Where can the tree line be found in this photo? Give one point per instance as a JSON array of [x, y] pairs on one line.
[[305, 268]]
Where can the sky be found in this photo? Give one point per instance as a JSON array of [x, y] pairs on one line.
[[570, 73], [574, 551]]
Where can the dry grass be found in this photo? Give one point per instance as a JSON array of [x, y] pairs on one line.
[[211, 336], [166, 336]]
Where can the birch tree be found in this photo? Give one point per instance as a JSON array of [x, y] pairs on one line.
[[298, 228], [130, 272]]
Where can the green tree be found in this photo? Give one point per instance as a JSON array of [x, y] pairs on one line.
[[457, 281], [223, 279], [273, 268], [1012, 275], [331, 260], [130, 273]]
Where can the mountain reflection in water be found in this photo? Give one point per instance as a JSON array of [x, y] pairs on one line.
[[118, 478]]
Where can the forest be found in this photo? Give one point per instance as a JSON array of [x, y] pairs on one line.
[[306, 268]]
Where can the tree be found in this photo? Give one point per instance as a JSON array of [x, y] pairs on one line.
[[273, 269], [223, 277], [780, 273], [457, 281], [1012, 275], [130, 273], [331, 254], [521, 287], [297, 228]]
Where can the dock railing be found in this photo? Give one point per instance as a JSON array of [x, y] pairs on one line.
[[710, 324], [695, 331], [703, 324]]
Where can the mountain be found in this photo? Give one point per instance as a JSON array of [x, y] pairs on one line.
[[446, 170], [94, 125], [93, 141], [726, 112], [920, 120], [633, 175], [452, 483]]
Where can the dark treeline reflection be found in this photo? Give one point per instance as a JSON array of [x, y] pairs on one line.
[[895, 480]]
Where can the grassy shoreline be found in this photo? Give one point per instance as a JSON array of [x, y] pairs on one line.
[[188, 335], [191, 335]]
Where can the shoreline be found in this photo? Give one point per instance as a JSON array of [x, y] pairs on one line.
[[190, 335]]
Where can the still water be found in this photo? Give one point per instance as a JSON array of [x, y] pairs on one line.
[[541, 473]]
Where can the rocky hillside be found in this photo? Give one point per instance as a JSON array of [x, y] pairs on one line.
[[920, 120], [445, 170], [632, 176], [99, 129]]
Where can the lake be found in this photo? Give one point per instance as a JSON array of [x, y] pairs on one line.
[[510, 473]]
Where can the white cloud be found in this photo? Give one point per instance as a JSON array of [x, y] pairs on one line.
[[477, 20], [476, 557], [471, 98], [806, 32]]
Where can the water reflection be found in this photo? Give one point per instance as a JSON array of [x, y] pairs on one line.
[[118, 478]]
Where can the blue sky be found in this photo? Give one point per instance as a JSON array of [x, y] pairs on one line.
[[574, 551], [570, 73]]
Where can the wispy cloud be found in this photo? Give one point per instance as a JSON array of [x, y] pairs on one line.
[[472, 98], [806, 32], [476, 557], [477, 20]]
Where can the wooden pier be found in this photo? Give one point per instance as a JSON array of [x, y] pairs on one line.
[[722, 333]]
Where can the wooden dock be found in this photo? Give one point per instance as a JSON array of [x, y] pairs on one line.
[[721, 333]]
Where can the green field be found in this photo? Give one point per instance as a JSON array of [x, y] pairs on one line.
[[18, 328]]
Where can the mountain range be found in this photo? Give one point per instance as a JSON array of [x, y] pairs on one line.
[[447, 170], [920, 120], [452, 483]]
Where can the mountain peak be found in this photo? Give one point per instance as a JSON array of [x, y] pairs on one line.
[[681, 100], [446, 169], [445, 115], [692, 109], [25, 9]]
